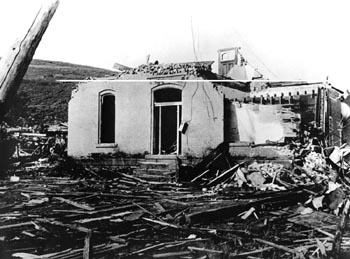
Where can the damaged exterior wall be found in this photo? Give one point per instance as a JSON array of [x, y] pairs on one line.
[[202, 110], [275, 113], [346, 120], [211, 112], [261, 123]]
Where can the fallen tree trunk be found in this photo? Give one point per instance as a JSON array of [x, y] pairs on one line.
[[14, 66]]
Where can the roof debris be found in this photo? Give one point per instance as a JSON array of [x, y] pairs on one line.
[[188, 68]]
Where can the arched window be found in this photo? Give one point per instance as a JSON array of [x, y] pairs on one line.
[[107, 118]]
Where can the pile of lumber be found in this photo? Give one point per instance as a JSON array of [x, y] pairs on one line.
[[108, 214], [220, 208]]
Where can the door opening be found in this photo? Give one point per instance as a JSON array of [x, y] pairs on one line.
[[166, 121]]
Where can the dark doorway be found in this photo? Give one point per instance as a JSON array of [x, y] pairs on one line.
[[169, 129], [231, 133], [166, 121], [107, 119]]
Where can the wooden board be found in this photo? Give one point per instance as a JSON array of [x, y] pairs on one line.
[[316, 219]]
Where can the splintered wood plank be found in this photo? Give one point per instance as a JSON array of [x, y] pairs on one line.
[[242, 255], [75, 204], [162, 223], [159, 207], [200, 176], [87, 249], [83, 221], [280, 247], [171, 254], [340, 229], [202, 249], [316, 219], [282, 200], [57, 223], [228, 173], [16, 225]]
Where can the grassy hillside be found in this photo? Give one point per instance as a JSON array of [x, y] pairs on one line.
[[41, 99]]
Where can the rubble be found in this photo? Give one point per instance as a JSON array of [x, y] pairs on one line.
[[222, 208], [189, 68]]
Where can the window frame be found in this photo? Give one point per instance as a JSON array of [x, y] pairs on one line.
[[101, 96]]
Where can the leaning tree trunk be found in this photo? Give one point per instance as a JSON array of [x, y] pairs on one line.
[[15, 64], [13, 68]]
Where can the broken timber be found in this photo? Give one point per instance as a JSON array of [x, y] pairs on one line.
[[285, 199], [339, 232], [224, 175]]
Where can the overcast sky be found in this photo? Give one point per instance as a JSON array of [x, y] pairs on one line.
[[284, 39]]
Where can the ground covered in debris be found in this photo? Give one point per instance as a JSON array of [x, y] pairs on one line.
[[237, 210]]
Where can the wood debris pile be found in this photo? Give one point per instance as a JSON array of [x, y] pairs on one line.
[[225, 209]]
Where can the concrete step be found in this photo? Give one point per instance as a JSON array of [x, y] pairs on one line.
[[151, 171], [157, 170], [160, 171], [153, 165], [156, 178]]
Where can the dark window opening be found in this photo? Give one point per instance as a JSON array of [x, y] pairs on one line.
[[231, 133], [167, 95], [107, 119]]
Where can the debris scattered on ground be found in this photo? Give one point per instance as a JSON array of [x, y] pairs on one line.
[[222, 208]]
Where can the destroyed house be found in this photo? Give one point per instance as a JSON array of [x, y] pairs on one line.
[[186, 110]]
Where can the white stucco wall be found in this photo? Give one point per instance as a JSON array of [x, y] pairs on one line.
[[202, 108], [132, 130]]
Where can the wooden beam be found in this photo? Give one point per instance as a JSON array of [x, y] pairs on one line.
[[16, 225], [87, 253], [75, 204], [224, 175], [280, 247], [15, 64], [199, 176], [211, 215], [339, 233]]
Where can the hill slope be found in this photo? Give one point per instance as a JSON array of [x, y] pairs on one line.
[[41, 99]]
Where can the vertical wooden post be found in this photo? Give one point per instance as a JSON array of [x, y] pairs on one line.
[[87, 250], [15, 64], [340, 229]]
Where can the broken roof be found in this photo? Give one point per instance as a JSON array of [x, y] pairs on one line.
[[188, 68], [121, 67]]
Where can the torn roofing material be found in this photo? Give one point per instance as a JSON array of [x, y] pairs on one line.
[[189, 68], [121, 67]]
